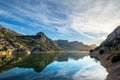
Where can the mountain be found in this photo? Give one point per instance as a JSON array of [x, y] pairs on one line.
[[13, 42], [74, 45], [113, 39], [109, 54]]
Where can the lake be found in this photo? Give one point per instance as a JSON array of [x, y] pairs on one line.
[[59, 66]]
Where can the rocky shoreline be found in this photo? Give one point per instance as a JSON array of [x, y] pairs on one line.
[[112, 68]]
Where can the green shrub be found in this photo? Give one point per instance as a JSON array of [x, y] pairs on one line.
[[101, 51], [4, 49], [91, 51], [115, 58]]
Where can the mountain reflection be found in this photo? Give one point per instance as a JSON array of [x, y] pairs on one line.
[[36, 61], [54, 66], [74, 55]]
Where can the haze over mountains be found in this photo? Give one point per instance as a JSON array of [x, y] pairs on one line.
[[74, 45]]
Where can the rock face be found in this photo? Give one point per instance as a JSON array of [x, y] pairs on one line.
[[113, 39], [11, 41], [110, 58], [74, 45]]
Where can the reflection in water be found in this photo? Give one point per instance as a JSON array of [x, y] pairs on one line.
[[75, 55], [35, 61], [64, 66]]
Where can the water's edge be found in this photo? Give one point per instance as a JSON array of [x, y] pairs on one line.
[[112, 69]]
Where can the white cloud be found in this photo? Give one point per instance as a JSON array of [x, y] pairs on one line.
[[91, 16], [88, 16], [86, 73], [94, 16]]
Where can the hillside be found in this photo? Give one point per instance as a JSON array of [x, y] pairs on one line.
[[74, 45], [14, 42], [109, 54]]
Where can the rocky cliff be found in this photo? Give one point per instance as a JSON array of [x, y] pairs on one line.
[[74, 45], [109, 54], [13, 42]]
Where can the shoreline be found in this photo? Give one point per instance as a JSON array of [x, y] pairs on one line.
[[113, 69]]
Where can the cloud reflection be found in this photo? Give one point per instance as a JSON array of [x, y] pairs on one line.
[[81, 69]]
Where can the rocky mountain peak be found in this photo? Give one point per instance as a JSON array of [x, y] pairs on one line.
[[113, 38], [40, 34]]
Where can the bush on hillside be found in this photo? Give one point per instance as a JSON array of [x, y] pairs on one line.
[[91, 51], [101, 51], [115, 58]]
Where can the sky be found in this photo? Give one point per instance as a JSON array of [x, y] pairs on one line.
[[89, 21]]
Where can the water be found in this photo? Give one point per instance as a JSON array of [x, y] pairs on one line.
[[64, 66]]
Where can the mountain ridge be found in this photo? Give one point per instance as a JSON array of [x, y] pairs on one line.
[[74, 45], [11, 41]]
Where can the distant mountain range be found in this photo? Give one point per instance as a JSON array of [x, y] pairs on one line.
[[74, 45], [11, 41]]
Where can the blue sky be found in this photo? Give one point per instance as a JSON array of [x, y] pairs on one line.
[[89, 21]]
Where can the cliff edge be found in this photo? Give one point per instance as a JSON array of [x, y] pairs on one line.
[[108, 53]]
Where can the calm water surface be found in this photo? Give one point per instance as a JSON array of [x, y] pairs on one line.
[[64, 66]]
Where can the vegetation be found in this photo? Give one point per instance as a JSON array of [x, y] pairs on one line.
[[39, 42], [101, 51], [39, 61], [91, 51], [116, 58]]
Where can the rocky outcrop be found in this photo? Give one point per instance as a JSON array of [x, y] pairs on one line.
[[18, 43], [113, 39], [74, 45], [110, 58]]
